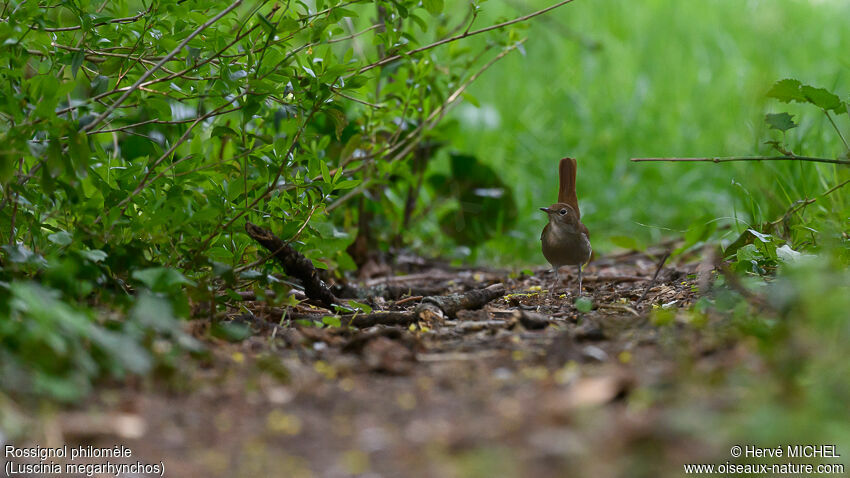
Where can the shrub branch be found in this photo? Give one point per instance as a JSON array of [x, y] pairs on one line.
[[790, 157]]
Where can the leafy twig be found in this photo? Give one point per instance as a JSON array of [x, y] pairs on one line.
[[159, 65], [269, 189], [461, 36], [114, 20], [144, 182], [410, 140]]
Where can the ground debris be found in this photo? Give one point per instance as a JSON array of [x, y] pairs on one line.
[[484, 362], [474, 299]]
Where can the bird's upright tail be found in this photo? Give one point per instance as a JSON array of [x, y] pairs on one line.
[[567, 188]]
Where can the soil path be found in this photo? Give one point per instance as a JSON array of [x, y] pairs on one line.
[[527, 385]]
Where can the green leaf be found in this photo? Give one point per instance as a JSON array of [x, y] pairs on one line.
[[347, 184], [220, 131], [154, 312], [99, 85], [584, 304], [76, 61], [122, 349], [401, 10], [192, 55], [326, 174], [339, 121], [19, 253], [266, 23], [331, 321], [61, 238], [231, 331], [787, 90], [161, 278], [434, 7], [661, 317], [78, 149], [788, 255], [748, 253], [422, 24], [473, 100], [780, 121], [94, 255], [821, 98], [359, 305], [766, 238]]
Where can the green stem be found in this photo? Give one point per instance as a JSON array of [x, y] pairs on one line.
[[836, 130]]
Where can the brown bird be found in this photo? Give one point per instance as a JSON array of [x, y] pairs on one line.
[[566, 241]]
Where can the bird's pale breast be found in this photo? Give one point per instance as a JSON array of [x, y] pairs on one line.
[[565, 247]]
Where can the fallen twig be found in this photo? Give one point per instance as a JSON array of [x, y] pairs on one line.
[[474, 299], [479, 325], [531, 320], [423, 312], [654, 277], [425, 276], [615, 279], [622, 307], [388, 291], [294, 264], [408, 299], [431, 309], [250, 295], [458, 356]]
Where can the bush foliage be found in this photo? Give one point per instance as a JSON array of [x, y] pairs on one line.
[[139, 136]]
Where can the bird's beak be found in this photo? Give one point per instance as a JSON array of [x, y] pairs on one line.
[[545, 209]]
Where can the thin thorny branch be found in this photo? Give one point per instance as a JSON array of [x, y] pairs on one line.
[[790, 157]]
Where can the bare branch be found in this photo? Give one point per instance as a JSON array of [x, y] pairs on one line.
[[362, 102], [791, 157]]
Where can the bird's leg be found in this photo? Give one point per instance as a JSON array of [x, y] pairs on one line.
[[579, 279], [555, 283]]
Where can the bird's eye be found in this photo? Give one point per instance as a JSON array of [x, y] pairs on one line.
[[562, 212]]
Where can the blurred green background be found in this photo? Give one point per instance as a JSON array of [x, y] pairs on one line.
[[608, 80]]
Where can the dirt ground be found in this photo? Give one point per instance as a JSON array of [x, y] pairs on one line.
[[526, 385]]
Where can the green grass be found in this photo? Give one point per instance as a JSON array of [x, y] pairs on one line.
[[608, 80]]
